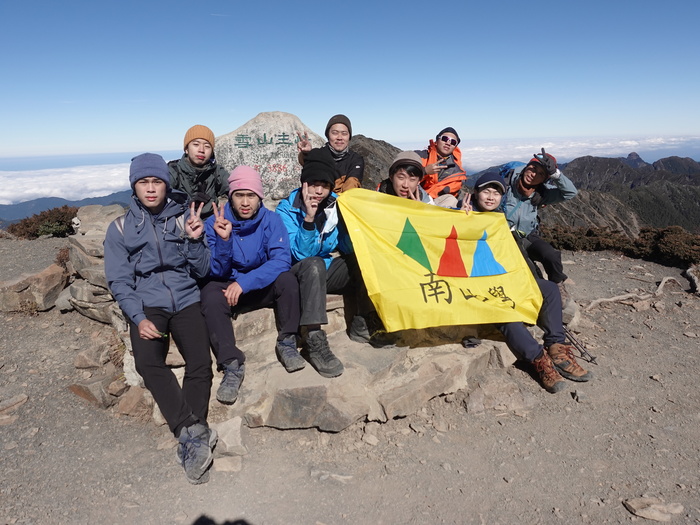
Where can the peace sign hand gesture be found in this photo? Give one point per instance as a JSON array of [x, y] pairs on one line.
[[303, 145], [467, 203], [222, 226], [194, 227]]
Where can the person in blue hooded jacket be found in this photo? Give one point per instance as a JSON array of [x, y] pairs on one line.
[[310, 214], [250, 259], [154, 255]]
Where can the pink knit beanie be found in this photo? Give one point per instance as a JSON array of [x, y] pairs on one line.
[[245, 178]]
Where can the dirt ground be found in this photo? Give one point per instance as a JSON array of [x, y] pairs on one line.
[[573, 457]]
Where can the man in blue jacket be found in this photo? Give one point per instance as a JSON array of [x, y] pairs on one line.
[[153, 256], [310, 215], [539, 183], [250, 260]]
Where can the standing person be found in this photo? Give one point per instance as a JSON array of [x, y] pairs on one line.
[[405, 174], [349, 165], [153, 256], [197, 172], [444, 174], [539, 183], [554, 358], [250, 259]]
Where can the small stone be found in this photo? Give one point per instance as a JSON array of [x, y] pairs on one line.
[[691, 335], [78, 330], [447, 467], [228, 464], [370, 439]]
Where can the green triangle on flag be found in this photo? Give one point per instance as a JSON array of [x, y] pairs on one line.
[[411, 245]]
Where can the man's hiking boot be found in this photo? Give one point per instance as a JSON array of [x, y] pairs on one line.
[[549, 377], [288, 355], [230, 383], [320, 355], [358, 330], [370, 330], [194, 452], [565, 362]]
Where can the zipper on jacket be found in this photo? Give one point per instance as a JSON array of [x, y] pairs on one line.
[[162, 263]]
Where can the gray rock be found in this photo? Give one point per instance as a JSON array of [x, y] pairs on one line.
[[268, 143], [95, 218], [33, 292], [230, 442]]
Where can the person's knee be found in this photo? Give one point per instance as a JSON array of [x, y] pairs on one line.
[[312, 268]]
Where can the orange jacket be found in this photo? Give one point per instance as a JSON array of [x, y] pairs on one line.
[[452, 177]]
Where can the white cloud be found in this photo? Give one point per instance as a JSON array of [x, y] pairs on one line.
[[93, 181], [68, 183]]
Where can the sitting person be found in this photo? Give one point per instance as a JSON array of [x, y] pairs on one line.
[[153, 256], [250, 259], [444, 174], [197, 173], [555, 358], [350, 166], [310, 214], [405, 174], [526, 193]]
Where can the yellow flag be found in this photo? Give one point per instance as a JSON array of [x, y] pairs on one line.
[[428, 266]]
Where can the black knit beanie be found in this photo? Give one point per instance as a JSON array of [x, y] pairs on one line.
[[339, 119], [319, 166]]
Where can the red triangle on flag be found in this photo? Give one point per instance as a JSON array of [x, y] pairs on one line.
[[451, 263]]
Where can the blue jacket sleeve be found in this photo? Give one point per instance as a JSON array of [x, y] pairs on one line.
[[303, 243], [276, 244], [121, 275]]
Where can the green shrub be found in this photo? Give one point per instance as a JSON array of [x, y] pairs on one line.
[[56, 222]]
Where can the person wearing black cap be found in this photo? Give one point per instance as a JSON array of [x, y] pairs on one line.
[[539, 183], [311, 216], [444, 174], [554, 358], [349, 165]]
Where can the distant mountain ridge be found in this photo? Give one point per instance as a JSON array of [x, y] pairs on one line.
[[623, 194], [13, 212]]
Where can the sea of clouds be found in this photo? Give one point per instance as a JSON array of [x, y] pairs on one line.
[[78, 182]]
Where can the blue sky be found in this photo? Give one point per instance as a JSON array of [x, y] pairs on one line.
[[97, 77]]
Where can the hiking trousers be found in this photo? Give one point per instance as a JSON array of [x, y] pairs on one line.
[[518, 337], [282, 295], [189, 404], [541, 251]]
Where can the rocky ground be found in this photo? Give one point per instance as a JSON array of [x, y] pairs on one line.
[[573, 457]]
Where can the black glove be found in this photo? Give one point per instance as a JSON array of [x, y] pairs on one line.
[[548, 161]]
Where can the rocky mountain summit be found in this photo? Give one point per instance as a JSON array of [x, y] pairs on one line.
[[623, 446]]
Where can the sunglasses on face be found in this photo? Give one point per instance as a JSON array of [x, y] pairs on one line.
[[449, 140]]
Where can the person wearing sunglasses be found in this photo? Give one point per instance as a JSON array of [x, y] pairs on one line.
[[539, 183], [444, 174]]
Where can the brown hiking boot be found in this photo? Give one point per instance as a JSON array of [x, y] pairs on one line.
[[564, 361], [549, 377]]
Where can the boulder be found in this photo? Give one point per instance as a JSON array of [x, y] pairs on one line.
[[33, 292], [95, 218]]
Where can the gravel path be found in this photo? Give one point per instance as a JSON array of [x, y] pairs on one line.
[[573, 457]]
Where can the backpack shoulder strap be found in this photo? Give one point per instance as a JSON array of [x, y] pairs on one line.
[[119, 223]]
